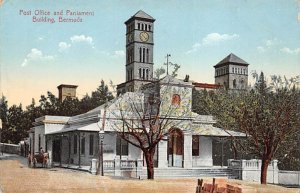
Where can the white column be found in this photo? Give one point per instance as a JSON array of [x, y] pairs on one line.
[[188, 159], [163, 154]]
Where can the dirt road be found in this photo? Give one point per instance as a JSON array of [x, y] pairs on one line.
[[17, 178]]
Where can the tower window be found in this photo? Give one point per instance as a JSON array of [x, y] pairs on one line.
[[232, 70], [139, 26], [140, 50], [143, 55], [140, 73], [132, 55], [147, 55], [147, 74], [149, 27], [146, 27], [143, 74], [142, 26]]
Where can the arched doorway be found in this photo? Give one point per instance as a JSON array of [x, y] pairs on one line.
[[175, 149]]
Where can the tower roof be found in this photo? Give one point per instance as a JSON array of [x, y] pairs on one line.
[[231, 58], [67, 86], [140, 15]]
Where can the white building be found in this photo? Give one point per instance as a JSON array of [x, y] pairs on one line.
[[74, 141]]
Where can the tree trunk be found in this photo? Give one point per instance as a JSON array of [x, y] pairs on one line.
[[234, 150], [150, 164], [264, 170]]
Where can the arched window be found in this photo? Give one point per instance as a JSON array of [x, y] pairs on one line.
[[142, 26], [147, 74], [147, 55], [143, 55], [140, 73], [139, 26], [132, 54], [143, 74], [140, 50]]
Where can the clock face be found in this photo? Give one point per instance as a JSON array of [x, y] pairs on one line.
[[144, 36]]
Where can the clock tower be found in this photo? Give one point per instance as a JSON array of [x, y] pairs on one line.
[[139, 52]]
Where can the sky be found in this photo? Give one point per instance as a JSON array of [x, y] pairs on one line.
[[36, 57]]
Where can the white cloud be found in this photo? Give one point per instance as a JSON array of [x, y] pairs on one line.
[[35, 55], [212, 39], [82, 38], [63, 46], [119, 53], [290, 51], [40, 38], [261, 49], [268, 44]]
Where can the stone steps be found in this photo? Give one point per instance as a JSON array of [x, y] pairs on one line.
[[195, 172]]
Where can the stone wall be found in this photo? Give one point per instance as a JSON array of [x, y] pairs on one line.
[[10, 148], [249, 170], [289, 178]]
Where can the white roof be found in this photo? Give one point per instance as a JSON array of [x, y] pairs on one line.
[[210, 130]]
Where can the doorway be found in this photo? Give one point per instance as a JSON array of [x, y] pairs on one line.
[[175, 149], [56, 148]]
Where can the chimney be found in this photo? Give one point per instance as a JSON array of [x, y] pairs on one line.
[[65, 90]]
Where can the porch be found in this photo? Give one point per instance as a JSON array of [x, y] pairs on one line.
[[135, 169]]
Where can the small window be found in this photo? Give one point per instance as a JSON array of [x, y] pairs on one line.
[[176, 99], [83, 145], [232, 70], [139, 26], [147, 74], [122, 146], [91, 144], [140, 73], [149, 27], [195, 145], [140, 52], [75, 144]]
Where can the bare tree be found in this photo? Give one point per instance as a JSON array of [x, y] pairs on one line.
[[143, 119]]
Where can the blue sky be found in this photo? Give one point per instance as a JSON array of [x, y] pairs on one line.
[[37, 57]]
